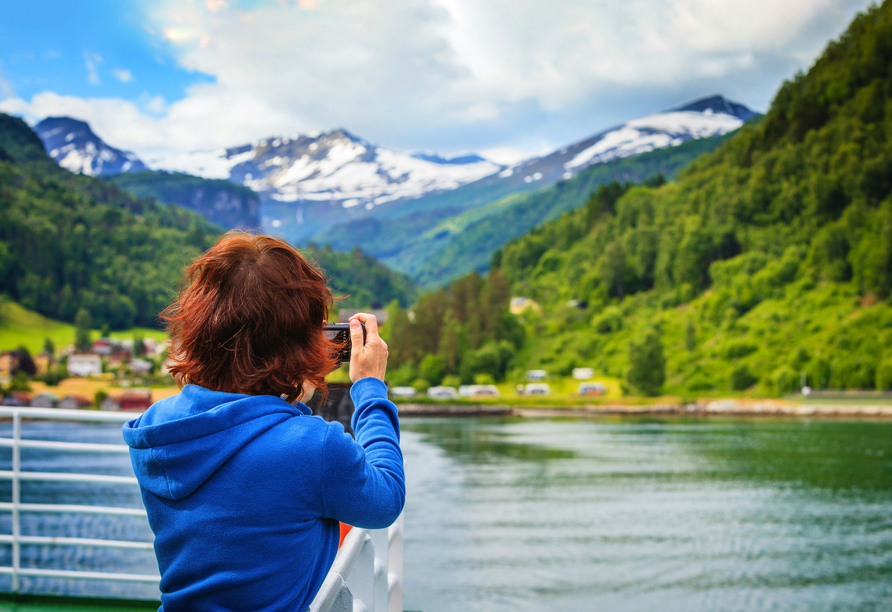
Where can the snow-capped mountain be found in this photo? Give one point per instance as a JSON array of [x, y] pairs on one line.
[[712, 116], [75, 147], [701, 119], [333, 167]]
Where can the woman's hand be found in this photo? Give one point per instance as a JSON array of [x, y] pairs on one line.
[[369, 359]]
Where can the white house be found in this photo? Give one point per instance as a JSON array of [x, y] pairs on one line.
[[403, 392], [483, 391], [533, 375], [140, 367], [583, 373], [537, 389], [442, 393], [84, 365]]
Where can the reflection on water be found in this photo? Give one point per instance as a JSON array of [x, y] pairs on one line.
[[572, 514], [84, 558], [647, 514]]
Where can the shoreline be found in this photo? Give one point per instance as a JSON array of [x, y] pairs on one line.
[[715, 408]]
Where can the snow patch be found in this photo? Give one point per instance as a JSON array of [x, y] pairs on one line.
[[654, 132]]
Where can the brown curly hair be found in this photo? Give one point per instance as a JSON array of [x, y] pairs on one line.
[[249, 319]]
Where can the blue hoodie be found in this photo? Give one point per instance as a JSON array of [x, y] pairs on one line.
[[244, 493]]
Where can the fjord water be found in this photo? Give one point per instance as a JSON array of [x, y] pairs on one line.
[[641, 514], [570, 514]]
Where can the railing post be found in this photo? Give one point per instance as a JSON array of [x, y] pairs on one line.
[[382, 545], [16, 497], [361, 579], [395, 566]]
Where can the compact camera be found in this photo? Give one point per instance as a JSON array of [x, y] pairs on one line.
[[340, 334]]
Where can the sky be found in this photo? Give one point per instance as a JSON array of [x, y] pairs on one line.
[[504, 78]]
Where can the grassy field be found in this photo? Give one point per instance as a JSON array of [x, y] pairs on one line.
[[19, 326]]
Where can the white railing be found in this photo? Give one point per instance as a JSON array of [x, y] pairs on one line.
[[366, 574], [16, 507]]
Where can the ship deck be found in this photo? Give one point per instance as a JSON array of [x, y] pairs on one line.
[[48, 603]]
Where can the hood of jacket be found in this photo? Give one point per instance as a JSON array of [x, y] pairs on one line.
[[181, 440]]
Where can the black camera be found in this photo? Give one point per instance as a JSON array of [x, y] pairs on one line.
[[340, 334]]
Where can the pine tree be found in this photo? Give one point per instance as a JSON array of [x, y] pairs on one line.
[[82, 326], [647, 365]]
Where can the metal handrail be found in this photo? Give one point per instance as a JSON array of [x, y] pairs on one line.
[[16, 507], [366, 573]]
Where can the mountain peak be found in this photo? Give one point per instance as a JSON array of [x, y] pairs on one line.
[[471, 158], [75, 147], [717, 104]]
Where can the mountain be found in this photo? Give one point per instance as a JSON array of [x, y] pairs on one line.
[[75, 147], [70, 241], [309, 181], [227, 204], [467, 242], [704, 118], [438, 237], [767, 259]]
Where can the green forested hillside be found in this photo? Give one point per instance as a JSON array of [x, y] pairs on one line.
[[69, 241], [360, 279], [446, 235], [219, 201], [769, 257]]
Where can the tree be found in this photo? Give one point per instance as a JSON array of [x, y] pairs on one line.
[[432, 368], [82, 327], [139, 347], [25, 362], [647, 364], [49, 347], [690, 336], [742, 378]]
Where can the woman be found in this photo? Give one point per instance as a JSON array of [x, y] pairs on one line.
[[243, 488]]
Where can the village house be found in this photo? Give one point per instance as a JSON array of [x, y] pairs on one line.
[[140, 367], [131, 399], [44, 400], [17, 399], [75, 402], [592, 388], [9, 362], [519, 305], [583, 373], [84, 365], [43, 361], [103, 346]]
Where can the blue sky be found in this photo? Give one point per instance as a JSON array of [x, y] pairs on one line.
[[508, 78], [88, 48]]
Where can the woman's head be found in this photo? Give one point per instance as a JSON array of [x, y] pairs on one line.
[[249, 319]]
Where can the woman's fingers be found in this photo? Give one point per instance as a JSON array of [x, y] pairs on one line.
[[369, 358], [371, 323]]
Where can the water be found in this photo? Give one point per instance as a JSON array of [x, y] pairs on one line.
[[573, 514], [643, 514]]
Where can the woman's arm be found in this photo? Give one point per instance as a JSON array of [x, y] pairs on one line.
[[364, 484], [363, 480]]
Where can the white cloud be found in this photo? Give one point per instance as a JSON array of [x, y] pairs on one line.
[[451, 75], [6, 88], [122, 75], [92, 61]]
